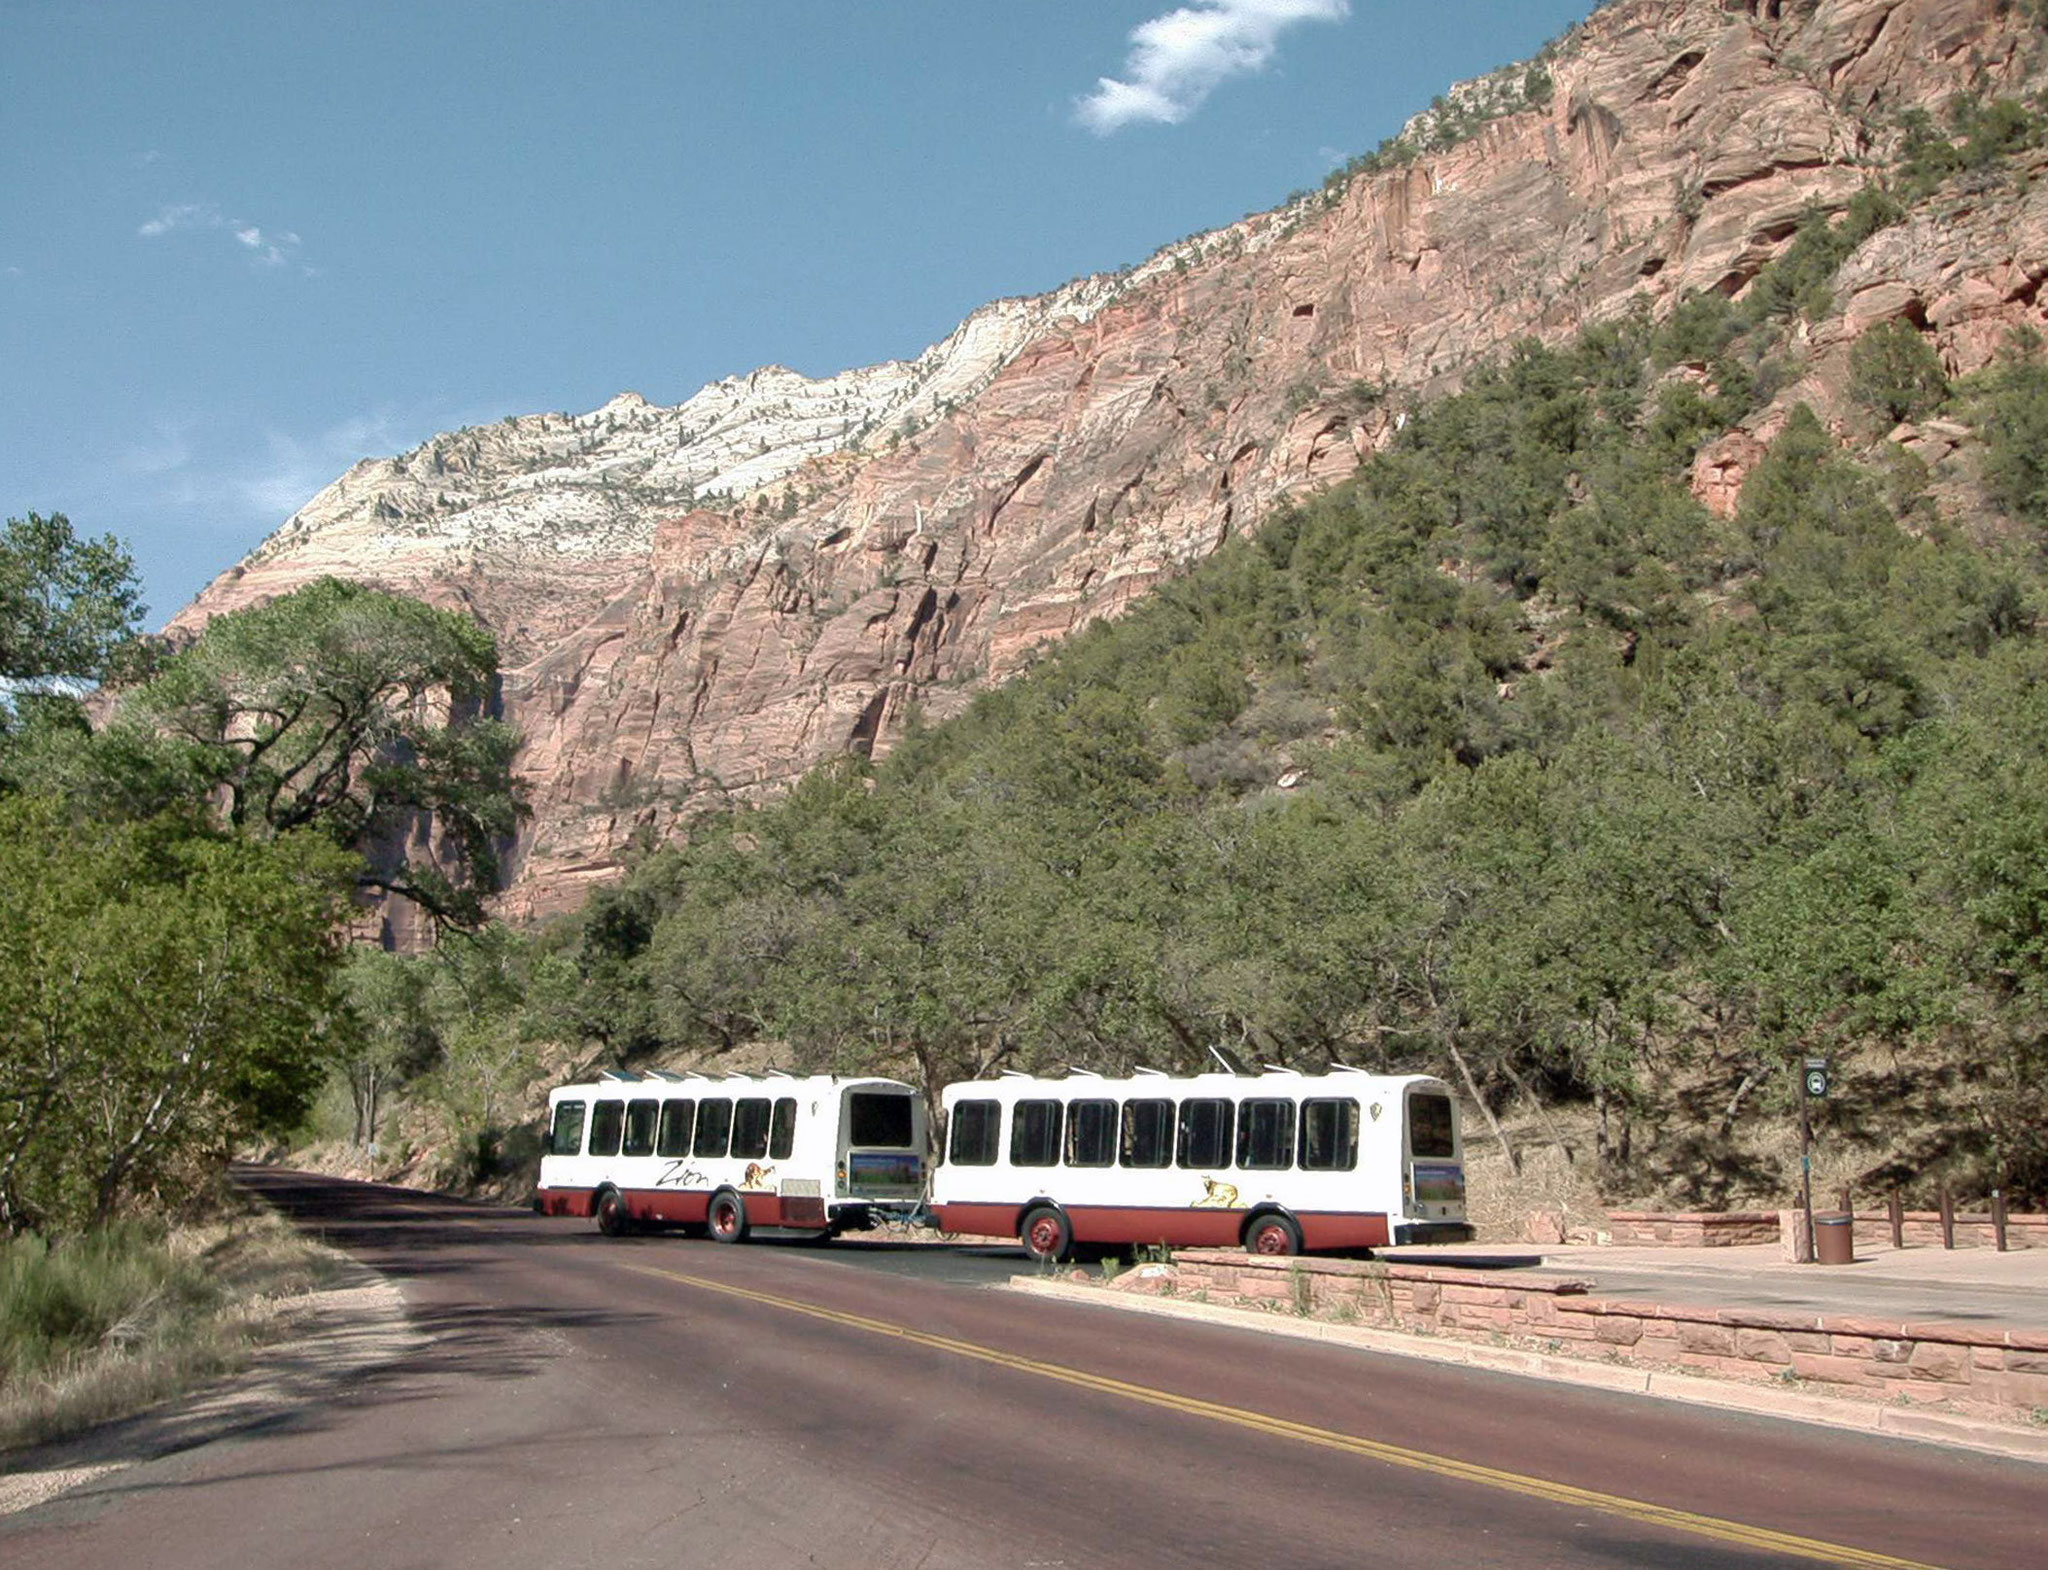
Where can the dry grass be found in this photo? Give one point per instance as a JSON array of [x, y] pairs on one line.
[[100, 1330]]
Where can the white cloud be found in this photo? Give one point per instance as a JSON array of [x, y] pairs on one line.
[[182, 215], [267, 250], [1178, 59]]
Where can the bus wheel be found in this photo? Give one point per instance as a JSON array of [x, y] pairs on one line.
[[613, 1218], [728, 1217], [1045, 1234], [1272, 1234]]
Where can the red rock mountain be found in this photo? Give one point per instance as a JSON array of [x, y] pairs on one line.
[[715, 597]]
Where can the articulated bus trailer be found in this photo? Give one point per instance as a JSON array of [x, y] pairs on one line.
[[728, 1153]]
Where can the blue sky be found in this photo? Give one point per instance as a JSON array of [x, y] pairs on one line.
[[243, 245]]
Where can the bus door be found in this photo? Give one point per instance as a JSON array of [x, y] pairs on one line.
[[1433, 1183], [880, 1156]]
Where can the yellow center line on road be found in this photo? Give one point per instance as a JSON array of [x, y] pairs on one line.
[[1685, 1521]]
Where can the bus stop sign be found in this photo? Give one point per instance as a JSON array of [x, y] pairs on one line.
[[1817, 1078]]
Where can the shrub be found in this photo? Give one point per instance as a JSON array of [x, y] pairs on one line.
[[111, 1286], [1893, 370], [2014, 423]]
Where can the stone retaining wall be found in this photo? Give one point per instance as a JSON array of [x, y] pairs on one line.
[[1962, 1368], [1691, 1228], [1727, 1228]]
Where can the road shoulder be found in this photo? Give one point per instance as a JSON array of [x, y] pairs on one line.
[[1869, 1417], [356, 1324]]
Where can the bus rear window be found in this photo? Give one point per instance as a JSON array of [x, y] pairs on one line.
[[976, 1134], [879, 1119], [566, 1137], [1429, 1125]]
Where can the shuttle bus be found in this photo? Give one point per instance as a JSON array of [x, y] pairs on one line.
[[1279, 1162], [728, 1153]]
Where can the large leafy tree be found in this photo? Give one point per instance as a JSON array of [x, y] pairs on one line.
[[67, 605], [345, 709]]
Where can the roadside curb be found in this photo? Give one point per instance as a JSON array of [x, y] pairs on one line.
[[1868, 1417], [358, 1324]]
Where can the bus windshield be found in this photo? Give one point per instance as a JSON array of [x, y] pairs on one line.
[[879, 1118]]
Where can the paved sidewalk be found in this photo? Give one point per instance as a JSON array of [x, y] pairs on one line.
[[1961, 1286]]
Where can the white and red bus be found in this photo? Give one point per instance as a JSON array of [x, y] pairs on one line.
[[1279, 1162], [729, 1153]]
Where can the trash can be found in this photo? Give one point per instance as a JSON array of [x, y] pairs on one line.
[[1834, 1239]]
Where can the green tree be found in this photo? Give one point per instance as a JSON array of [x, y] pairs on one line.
[[2013, 416], [1894, 371], [359, 713], [164, 990], [67, 605], [393, 1038]]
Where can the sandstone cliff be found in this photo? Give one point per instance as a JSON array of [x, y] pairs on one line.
[[715, 597]]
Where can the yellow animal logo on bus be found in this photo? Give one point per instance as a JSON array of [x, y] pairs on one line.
[[756, 1175], [1217, 1196]]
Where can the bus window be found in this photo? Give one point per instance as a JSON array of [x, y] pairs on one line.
[[783, 1138], [1148, 1134], [1204, 1132], [976, 1134], [1035, 1134], [640, 1116], [750, 1128], [879, 1119], [604, 1127], [714, 1126], [677, 1117], [566, 1137], [1429, 1124], [1329, 1136], [1091, 1134], [1265, 1135]]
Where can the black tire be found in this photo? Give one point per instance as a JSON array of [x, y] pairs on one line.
[[1273, 1235], [613, 1218], [1046, 1234], [727, 1217]]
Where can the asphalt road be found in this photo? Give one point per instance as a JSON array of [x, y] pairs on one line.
[[663, 1402]]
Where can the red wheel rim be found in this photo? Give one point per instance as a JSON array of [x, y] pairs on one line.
[[1272, 1238], [723, 1221], [1046, 1236]]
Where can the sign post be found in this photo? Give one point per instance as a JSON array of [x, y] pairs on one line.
[[1813, 1086]]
